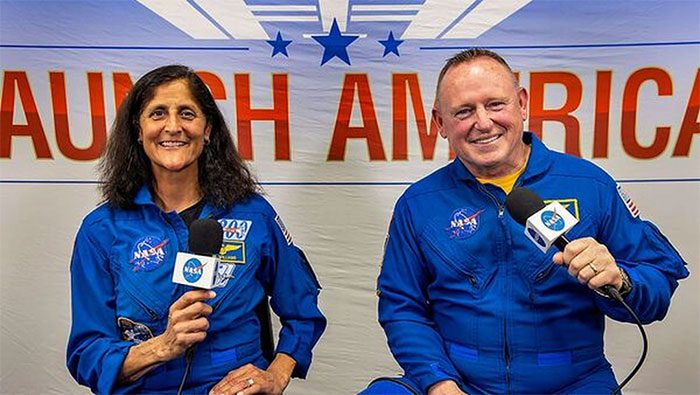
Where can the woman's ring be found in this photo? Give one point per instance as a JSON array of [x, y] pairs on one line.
[[250, 382]]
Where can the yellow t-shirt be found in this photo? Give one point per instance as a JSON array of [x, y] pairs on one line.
[[506, 182]]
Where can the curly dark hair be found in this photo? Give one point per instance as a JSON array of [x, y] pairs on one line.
[[124, 167]]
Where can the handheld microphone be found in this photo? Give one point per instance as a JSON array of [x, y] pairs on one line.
[[198, 268], [528, 209], [545, 225]]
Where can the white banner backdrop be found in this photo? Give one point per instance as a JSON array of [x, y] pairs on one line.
[[330, 101]]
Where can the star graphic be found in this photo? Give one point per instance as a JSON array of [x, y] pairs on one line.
[[391, 45], [279, 45], [335, 44]]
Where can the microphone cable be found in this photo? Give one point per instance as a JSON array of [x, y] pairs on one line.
[[189, 354], [616, 295]]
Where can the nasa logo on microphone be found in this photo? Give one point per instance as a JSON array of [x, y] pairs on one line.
[[552, 220], [192, 270], [536, 237]]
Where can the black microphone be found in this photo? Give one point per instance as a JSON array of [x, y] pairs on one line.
[[206, 236], [523, 204], [200, 266]]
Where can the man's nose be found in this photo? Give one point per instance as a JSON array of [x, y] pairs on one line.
[[483, 120]]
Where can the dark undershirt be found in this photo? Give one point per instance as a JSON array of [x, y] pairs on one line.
[[191, 213]]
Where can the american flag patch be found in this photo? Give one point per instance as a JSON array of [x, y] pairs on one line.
[[284, 230], [631, 207]]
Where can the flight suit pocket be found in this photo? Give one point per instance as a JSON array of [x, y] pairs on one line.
[[451, 261]]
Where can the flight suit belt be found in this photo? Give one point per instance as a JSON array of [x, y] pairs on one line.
[[541, 358]]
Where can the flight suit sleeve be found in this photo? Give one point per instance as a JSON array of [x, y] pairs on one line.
[[95, 351], [404, 310], [650, 260], [293, 290]]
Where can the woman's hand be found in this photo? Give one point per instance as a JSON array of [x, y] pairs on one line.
[[249, 379], [187, 325]]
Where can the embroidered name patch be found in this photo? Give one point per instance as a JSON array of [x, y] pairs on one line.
[[235, 229], [133, 331], [148, 253], [464, 222]]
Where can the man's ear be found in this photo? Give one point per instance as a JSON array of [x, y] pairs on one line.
[[522, 102], [439, 122]]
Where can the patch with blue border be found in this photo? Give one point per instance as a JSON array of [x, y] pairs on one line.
[[148, 253], [232, 252], [235, 229], [464, 222]]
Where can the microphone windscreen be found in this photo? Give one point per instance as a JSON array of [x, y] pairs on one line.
[[522, 203], [206, 236]]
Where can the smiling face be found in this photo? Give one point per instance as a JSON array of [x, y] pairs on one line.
[[173, 129], [480, 111]]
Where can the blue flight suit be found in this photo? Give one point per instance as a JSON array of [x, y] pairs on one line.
[[121, 282], [464, 295]]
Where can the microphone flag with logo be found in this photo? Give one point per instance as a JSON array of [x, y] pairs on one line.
[[198, 268], [544, 224]]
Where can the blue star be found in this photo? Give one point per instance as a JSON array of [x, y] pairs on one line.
[[391, 45], [335, 44], [279, 45]]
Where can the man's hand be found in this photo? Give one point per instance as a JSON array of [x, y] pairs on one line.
[[590, 263], [447, 387]]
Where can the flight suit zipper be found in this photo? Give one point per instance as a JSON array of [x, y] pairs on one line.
[[506, 355], [506, 349], [500, 207]]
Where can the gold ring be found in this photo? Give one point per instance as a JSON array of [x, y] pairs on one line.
[[250, 382], [595, 269]]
